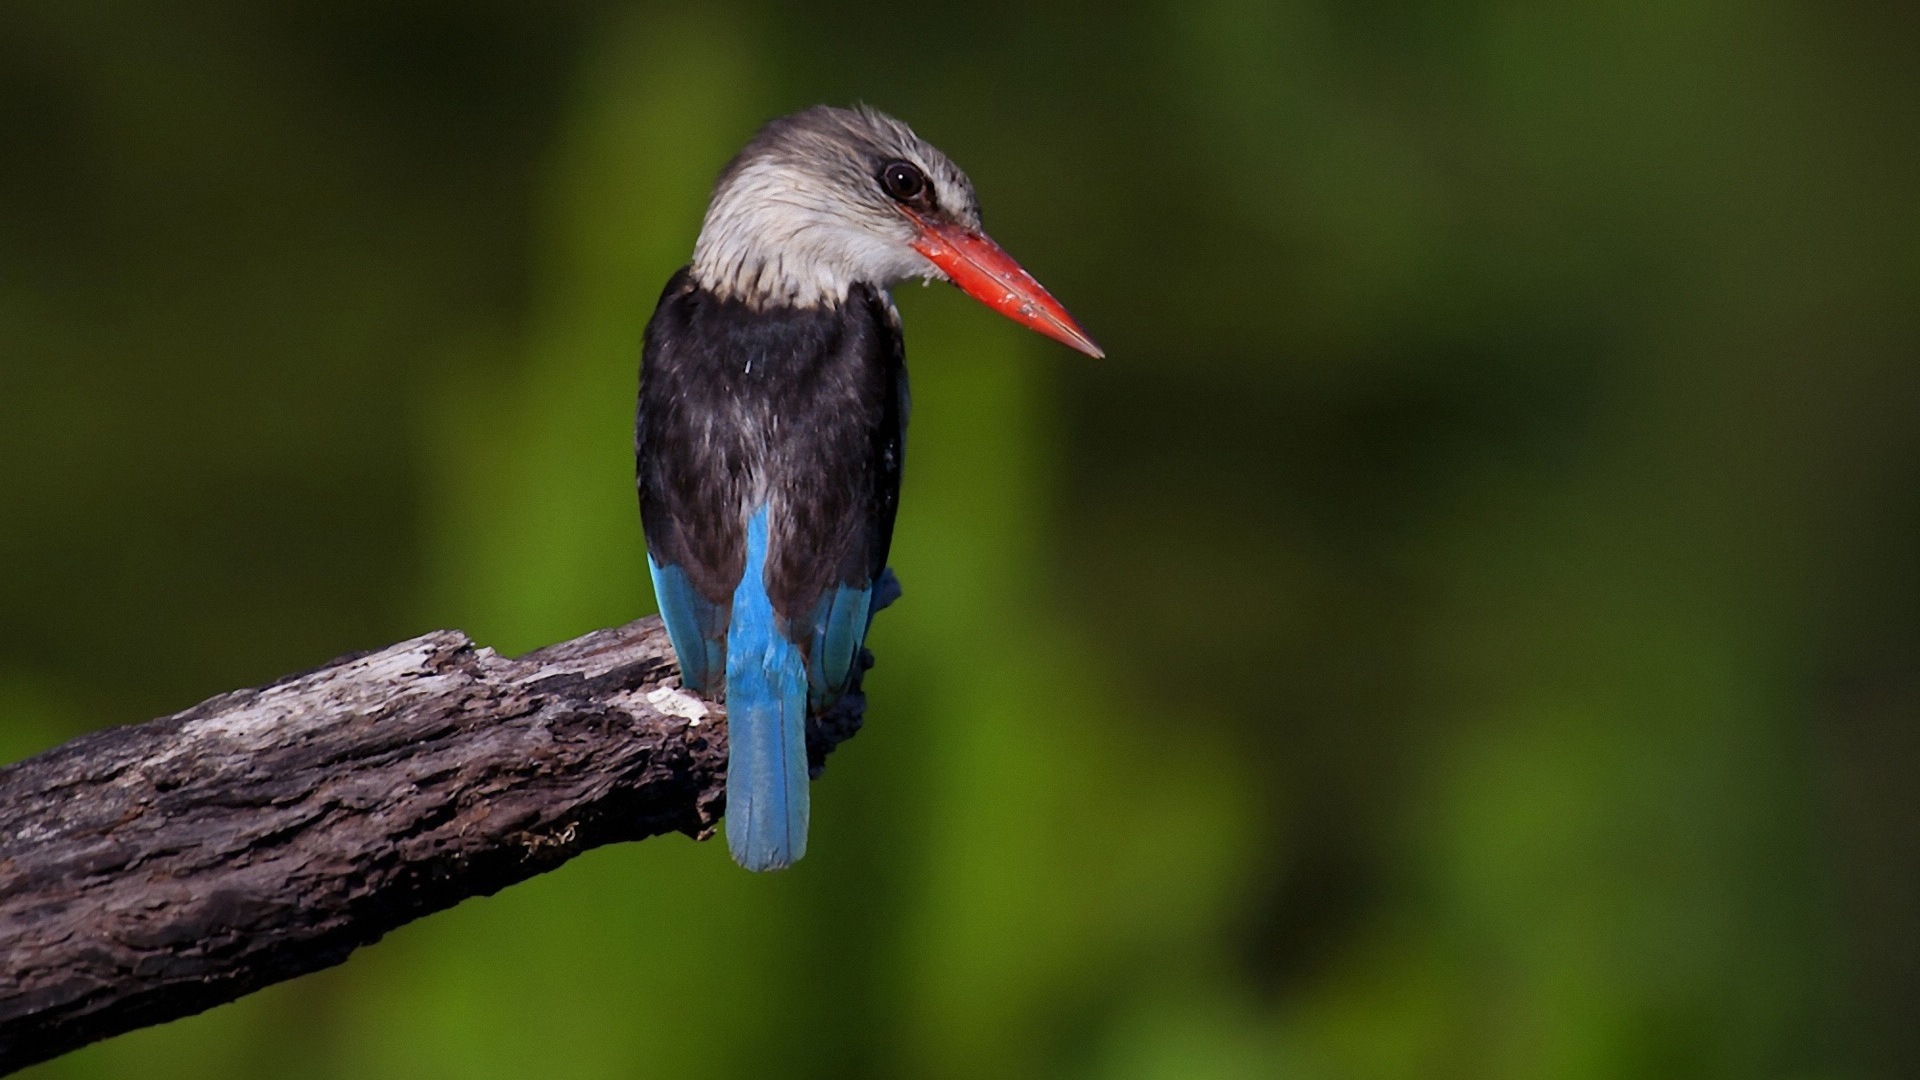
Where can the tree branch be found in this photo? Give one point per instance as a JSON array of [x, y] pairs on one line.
[[153, 871]]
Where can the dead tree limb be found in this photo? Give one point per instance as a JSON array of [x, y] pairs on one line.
[[153, 871]]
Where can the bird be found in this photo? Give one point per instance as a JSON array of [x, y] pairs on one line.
[[770, 432]]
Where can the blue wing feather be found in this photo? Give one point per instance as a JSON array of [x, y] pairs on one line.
[[696, 626], [839, 625]]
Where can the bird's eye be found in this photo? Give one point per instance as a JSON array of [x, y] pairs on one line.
[[903, 180]]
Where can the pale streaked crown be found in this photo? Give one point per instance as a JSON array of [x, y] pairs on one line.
[[801, 215]]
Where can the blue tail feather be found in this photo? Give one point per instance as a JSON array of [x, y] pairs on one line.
[[767, 797]]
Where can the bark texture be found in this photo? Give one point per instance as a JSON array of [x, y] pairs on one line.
[[152, 871]]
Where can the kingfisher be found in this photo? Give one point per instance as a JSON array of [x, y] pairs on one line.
[[772, 422]]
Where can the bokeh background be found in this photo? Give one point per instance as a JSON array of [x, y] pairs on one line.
[[1468, 627]]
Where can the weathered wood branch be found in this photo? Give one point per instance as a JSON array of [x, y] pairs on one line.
[[153, 871]]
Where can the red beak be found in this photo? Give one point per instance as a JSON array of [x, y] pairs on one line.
[[975, 263]]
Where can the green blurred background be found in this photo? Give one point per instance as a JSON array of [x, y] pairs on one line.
[[1468, 627]]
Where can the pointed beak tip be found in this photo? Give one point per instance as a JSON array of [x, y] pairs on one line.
[[1053, 321]]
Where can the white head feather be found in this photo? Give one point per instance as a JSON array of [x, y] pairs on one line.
[[800, 216]]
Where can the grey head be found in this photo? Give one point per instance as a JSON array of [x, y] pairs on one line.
[[823, 199]]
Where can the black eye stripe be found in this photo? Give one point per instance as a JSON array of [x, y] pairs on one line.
[[903, 181]]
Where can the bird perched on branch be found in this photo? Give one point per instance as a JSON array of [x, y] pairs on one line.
[[772, 424]]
